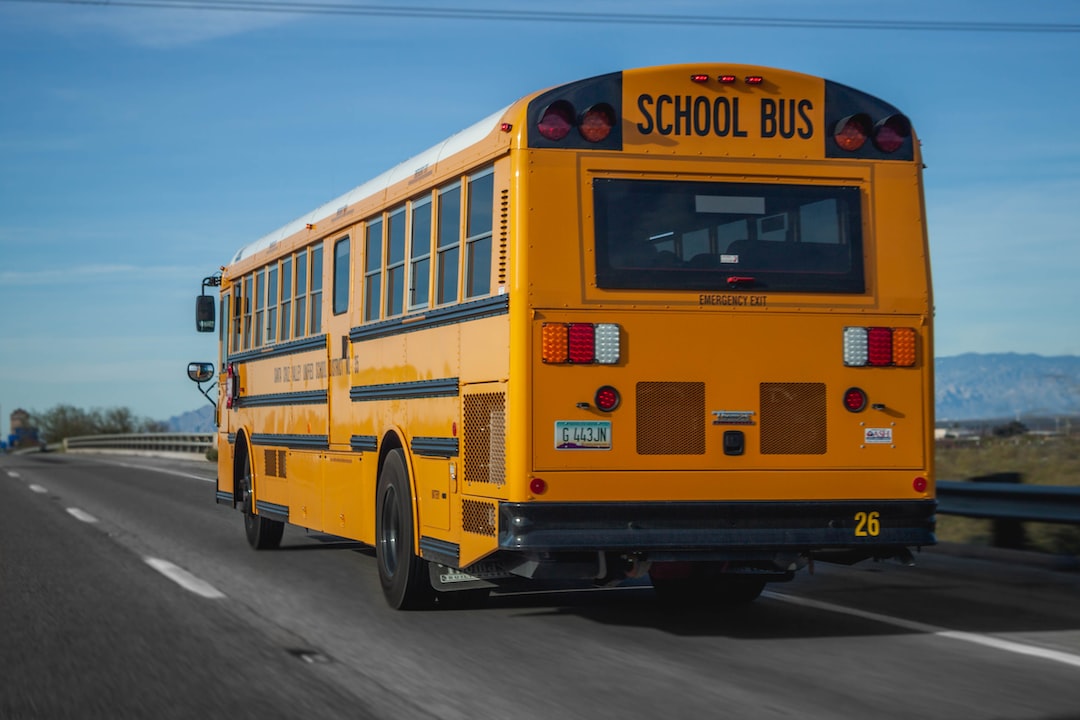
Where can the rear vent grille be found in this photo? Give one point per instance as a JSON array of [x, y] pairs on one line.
[[275, 463], [484, 438], [671, 418], [793, 420], [478, 517]]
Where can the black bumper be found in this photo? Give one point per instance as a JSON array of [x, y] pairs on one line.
[[643, 527]]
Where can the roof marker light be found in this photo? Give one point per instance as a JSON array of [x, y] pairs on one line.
[[699, 78], [727, 79], [754, 80]]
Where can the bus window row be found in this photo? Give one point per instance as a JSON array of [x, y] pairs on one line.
[[431, 251]]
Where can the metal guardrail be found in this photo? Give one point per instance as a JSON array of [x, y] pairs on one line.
[[186, 443], [1002, 497]]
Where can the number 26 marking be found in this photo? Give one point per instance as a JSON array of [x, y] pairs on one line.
[[867, 524]]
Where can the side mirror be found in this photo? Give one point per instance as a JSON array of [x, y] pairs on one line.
[[205, 310], [200, 372]]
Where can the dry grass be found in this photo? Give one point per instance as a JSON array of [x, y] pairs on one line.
[[1041, 461]]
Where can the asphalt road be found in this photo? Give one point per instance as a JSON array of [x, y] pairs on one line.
[[125, 592]]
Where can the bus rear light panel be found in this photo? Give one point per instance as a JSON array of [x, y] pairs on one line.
[[879, 347], [580, 343]]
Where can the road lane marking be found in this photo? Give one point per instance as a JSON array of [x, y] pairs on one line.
[[82, 515], [184, 579], [919, 627], [165, 471], [12, 473], [38, 489]]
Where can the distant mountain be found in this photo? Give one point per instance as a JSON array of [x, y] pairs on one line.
[[968, 387], [1006, 385], [196, 421]]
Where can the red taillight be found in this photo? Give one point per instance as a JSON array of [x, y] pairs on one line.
[[854, 399], [890, 133], [557, 120], [919, 484], [607, 398], [879, 346], [851, 132], [582, 342], [597, 122]]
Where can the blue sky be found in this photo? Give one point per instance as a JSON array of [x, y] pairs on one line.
[[140, 147]]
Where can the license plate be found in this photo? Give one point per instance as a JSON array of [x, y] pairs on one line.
[[582, 434]]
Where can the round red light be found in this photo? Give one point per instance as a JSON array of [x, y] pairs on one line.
[[851, 132], [607, 398], [556, 120], [538, 486], [597, 122], [890, 133], [854, 399], [919, 484]]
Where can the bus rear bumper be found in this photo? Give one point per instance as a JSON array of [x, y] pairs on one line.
[[680, 530]]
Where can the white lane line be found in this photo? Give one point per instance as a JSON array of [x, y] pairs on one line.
[[38, 489], [919, 627], [12, 473], [165, 471], [82, 515], [184, 579]]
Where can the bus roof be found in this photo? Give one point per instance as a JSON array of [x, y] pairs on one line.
[[451, 145]]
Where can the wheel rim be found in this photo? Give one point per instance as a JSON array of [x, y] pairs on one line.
[[389, 530]]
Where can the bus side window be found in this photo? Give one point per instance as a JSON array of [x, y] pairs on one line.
[[373, 259], [449, 245], [420, 253], [315, 320], [395, 262], [300, 305], [286, 298], [341, 276], [481, 198]]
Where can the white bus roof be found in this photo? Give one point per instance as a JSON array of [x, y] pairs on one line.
[[451, 145]]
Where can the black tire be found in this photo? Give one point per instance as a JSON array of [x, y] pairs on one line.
[[262, 533], [403, 575]]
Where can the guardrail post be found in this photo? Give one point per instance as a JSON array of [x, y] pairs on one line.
[[1008, 532]]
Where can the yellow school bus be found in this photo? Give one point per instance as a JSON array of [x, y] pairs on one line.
[[670, 322]]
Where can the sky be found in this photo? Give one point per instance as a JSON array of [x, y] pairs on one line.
[[142, 145]]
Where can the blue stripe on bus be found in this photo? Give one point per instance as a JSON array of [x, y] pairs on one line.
[[318, 342], [364, 443], [321, 442], [440, 551], [435, 446], [266, 508], [310, 397], [443, 387], [475, 310]]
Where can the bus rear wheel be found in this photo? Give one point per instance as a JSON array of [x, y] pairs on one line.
[[403, 575], [262, 533]]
